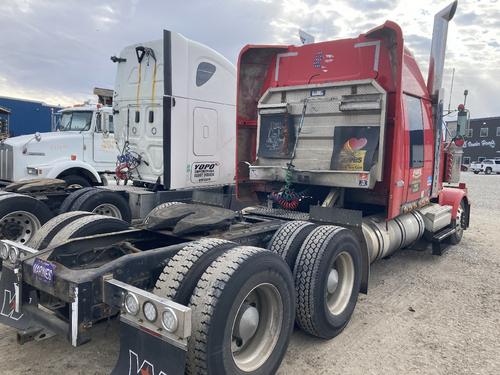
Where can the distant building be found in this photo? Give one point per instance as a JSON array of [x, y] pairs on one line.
[[27, 116], [4, 122], [483, 140]]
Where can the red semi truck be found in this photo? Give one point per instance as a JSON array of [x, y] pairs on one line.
[[341, 161]]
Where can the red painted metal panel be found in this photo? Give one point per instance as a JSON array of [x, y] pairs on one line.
[[379, 54], [452, 197]]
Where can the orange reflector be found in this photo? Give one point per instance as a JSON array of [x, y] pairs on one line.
[[73, 157]]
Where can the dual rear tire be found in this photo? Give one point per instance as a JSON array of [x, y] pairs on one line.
[[245, 300], [98, 201], [242, 301], [72, 225], [326, 263]]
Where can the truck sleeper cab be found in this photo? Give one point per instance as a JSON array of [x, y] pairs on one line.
[[174, 108]]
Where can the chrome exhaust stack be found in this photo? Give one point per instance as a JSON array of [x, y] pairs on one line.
[[435, 83], [438, 48]]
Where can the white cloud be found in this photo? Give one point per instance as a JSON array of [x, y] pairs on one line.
[[60, 49]]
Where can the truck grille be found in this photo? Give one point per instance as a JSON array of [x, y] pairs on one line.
[[6, 162]]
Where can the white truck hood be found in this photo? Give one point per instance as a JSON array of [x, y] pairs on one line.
[[46, 138], [25, 151]]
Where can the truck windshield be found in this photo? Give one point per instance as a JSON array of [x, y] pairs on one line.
[[75, 121]]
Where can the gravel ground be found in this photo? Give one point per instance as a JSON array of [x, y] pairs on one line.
[[422, 315]]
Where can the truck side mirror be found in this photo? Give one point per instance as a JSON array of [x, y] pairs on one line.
[[98, 122], [463, 123]]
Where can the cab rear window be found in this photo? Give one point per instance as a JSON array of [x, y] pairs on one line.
[[416, 128]]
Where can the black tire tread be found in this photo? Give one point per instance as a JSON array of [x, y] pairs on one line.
[[310, 256], [283, 238], [178, 268], [67, 204], [455, 239], [77, 180], [82, 200], [69, 231], [53, 224], [204, 301]]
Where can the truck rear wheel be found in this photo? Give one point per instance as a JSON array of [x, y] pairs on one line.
[[42, 237], [487, 170], [243, 311], [103, 202], [67, 204], [74, 179], [21, 216], [288, 239], [456, 237], [88, 226], [327, 277], [183, 271]]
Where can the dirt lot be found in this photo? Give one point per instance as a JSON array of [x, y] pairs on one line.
[[423, 315]]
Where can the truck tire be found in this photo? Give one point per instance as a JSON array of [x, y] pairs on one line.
[[74, 179], [159, 208], [21, 216], [42, 237], [456, 237], [103, 202], [327, 277], [288, 239], [487, 170], [476, 172], [242, 314], [88, 226], [183, 271], [67, 204]]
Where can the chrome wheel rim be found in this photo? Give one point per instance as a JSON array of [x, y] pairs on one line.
[[256, 327], [19, 226], [108, 209], [340, 283]]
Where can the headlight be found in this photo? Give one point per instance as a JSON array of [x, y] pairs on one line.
[[131, 304], [13, 254], [33, 171], [4, 251], [169, 320], [150, 311]]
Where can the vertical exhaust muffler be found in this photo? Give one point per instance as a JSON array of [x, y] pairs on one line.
[[435, 83], [438, 48]]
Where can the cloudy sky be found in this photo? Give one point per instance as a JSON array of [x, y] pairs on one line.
[[56, 51]]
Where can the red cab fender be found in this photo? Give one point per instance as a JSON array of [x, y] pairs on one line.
[[452, 197]]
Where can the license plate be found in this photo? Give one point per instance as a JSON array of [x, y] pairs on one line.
[[43, 270]]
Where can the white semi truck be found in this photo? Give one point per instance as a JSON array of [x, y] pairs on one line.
[[173, 115], [79, 152]]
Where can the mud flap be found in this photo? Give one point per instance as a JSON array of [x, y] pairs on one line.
[[10, 288], [143, 353]]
